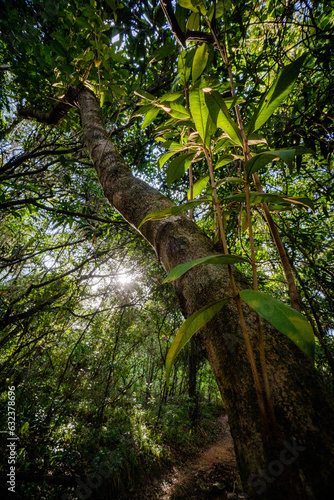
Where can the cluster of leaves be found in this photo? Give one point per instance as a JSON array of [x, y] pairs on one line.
[[201, 127]]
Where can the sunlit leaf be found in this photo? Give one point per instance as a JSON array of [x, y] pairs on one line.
[[144, 94], [244, 221], [189, 328], [300, 200], [222, 7], [169, 144], [232, 101], [102, 98], [165, 157], [199, 186], [276, 199], [175, 210], [178, 167], [171, 96], [280, 89], [193, 21], [283, 318], [194, 5], [262, 159], [224, 160], [222, 259], [233, 180], [184, 65], [142, 110], [200, 113], [222, 143], [220, 115], [178, 111], [187, 4], [200, 61], [150, 116]]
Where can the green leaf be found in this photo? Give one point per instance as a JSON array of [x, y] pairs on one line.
[[256, 198], [174, 109], [142, 110], [171, 96], [222, 259], [169, 144], [234, 180], [165, 157], [199, 186], [300, 200], [244, 221], [178, 111], [193, 21], [280, 89], [279, 200], [200, 61], [221, 8], [283, 318], [186, 4], [150, 116], [184, 65], [220, 115], [262, 159], [186, 123], [200, 113], [224, 160], [175, 210], [194, 5], [232, 101], [189, 328], [144, 94], [25, 429], [178, 167]]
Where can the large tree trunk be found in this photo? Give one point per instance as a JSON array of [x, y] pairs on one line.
[[294, 462]]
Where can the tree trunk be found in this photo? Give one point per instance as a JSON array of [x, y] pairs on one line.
[[295, 461]]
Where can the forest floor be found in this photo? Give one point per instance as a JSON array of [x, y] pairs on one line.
[[211, 474]]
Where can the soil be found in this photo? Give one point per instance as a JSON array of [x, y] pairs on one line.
[[211, 475]]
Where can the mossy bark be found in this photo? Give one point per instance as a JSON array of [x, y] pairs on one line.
[[295, 461]]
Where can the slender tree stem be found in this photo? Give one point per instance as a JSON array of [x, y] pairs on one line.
[[261, 345], [217, 208], [259, 321], [191, 189], [191, 178], [248, 345], [293, 292]]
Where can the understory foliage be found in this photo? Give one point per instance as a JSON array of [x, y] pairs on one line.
[[85, 327], [86, 320]]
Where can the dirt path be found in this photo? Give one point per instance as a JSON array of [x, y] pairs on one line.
[[210, 475]]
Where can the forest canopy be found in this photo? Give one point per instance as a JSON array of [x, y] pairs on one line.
[[225, 109]]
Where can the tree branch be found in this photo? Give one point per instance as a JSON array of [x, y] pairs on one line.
[[59, 110], [181, 37], [18, 160], [26, 201], [77, 214]]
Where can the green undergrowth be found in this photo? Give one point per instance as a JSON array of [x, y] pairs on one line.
[[136, 443]]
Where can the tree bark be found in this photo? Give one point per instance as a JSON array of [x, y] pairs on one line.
[[297, 460]]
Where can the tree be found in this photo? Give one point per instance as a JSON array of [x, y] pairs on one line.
[[284, 440]]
